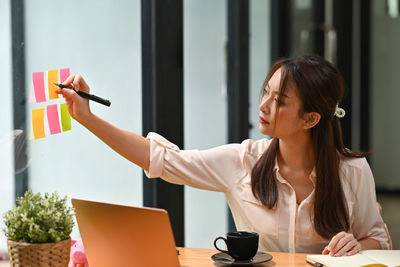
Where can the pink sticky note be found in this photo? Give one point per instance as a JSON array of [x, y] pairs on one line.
[[64, 73], [38, 86], [52, 116]]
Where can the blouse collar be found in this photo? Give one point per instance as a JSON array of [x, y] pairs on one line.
[[312, 177]]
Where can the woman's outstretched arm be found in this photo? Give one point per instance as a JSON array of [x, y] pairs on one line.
[[133, 147]]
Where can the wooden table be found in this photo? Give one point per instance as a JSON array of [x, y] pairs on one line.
[[200, 257]]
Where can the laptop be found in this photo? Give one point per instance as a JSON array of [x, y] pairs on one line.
[[117, 235]]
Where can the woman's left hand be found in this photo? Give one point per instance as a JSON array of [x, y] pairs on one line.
[[342, 244]]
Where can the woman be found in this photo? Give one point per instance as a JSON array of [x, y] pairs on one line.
[[302, 191]]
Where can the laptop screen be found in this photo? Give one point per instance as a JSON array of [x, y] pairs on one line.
[[118, 235]]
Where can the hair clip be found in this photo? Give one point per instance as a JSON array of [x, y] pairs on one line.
[[339, 112]]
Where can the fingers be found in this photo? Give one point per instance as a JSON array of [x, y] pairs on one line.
[[346, 247], [78, 106], [332, 245], [69, 80], [68, 94], [77, 82], [342, 244], [355, 249]]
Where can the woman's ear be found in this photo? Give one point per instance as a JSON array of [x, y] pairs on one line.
[[311, 119]]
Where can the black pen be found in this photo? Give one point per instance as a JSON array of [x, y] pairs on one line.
[[86, 95], [315, 264]]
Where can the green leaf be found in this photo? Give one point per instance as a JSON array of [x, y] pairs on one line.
[[38, 219]]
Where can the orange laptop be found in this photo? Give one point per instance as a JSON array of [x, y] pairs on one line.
[[116, 235]]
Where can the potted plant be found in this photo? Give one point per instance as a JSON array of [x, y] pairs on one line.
[[38, 230]]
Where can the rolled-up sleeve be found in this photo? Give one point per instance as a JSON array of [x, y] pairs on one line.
[[368, 222], [214, 169]]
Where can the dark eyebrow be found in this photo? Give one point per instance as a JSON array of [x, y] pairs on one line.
[[277, 93]]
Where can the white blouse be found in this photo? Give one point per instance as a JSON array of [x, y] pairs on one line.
[[286, 228]]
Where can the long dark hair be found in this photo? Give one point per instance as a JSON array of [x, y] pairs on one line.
[[320, 87]]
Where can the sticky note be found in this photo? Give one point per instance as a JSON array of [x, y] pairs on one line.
[[38, 123], [65, 117], [52, 117], [52, 77], [64, 73], [38, 86]]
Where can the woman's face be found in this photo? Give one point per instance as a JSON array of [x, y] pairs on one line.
[[283, 122]]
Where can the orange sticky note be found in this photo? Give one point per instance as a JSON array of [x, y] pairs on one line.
[[38, 123], [52, 77]]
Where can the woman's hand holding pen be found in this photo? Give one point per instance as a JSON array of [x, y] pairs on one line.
[[342, 244], [78, 107]]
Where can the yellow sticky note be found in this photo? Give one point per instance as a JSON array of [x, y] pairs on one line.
[[38, 123], [65, 117], [52, 77]]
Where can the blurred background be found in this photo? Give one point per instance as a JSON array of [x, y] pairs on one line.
[[191, 70]]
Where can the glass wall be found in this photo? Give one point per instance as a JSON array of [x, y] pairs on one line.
[[100, 40], [205, 40], [259, 58], [385, 109], [6, 118], [385, 94], [205, 111]]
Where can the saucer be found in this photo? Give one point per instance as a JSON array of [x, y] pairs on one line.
[[226, 259]]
